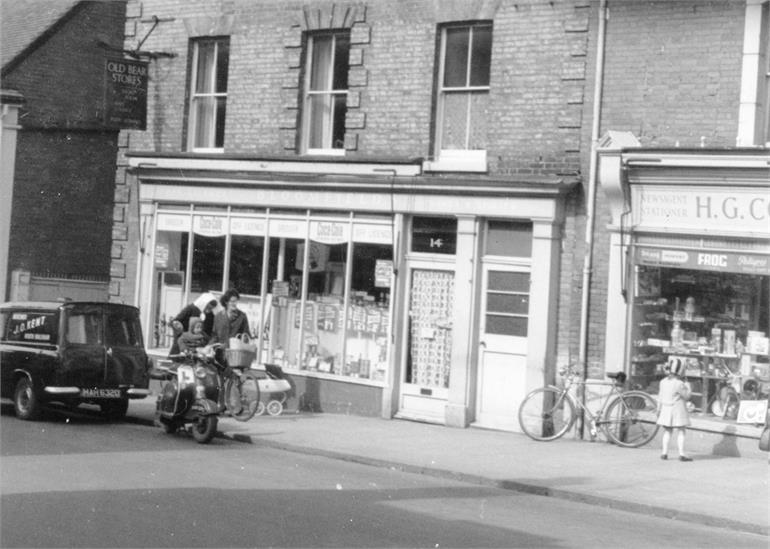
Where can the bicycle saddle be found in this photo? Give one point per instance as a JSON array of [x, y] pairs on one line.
[[619, 377]]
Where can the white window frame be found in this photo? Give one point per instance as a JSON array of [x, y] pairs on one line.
[[195, 96], [472, 160], [329, 91]]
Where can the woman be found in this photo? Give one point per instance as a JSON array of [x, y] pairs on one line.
[[202, 308], [230, 322]]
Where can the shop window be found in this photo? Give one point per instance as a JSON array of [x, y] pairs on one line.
[[368, 323], [170, 261], [245, 269], [716, 322], [208, 262], [326, 92], [509, 239], [284, 340], [462, 98], [435, 235], [208, 94]]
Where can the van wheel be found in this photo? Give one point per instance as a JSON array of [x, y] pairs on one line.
[[26, 401], [114, 410]]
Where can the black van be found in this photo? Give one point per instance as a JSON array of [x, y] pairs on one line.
[[72, 352]]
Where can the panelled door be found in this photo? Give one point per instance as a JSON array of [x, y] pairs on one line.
[[502, 344], [425, 378]]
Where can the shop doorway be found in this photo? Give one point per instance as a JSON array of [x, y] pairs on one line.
[[502, 345], [428, 325]]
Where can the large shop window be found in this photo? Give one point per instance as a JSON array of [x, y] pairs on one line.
[[316, 289], [326, 92], [208, 94], [463, 92], [716, 321]]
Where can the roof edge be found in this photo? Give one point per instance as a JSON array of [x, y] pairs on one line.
[[42, 38]]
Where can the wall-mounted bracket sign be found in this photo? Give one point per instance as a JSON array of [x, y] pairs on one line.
[[125, 93]]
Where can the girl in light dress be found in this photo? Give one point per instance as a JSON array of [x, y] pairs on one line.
[[672, 407]]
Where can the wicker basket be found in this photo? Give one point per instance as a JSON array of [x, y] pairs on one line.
[[240, 358]]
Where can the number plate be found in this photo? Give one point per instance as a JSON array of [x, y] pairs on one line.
[[100, 393]]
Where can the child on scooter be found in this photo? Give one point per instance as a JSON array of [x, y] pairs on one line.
[[194, 337]]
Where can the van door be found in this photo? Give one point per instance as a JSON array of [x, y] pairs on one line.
[[126, 360], [83, 351]]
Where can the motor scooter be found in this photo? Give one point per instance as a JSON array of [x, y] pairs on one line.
[[199, 388]]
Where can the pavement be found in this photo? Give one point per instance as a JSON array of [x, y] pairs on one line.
[[726, 492]]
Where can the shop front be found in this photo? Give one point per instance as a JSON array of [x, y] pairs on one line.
[[378, 290], [691, 264]]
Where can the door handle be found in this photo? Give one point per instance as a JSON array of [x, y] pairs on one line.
[[109, 352]]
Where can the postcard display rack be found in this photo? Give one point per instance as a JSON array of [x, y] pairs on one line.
[[431, 302], [719, 348]]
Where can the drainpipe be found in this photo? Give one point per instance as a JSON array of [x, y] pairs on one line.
[[591, 198]]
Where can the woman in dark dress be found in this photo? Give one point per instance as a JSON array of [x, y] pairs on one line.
[[230, 322]]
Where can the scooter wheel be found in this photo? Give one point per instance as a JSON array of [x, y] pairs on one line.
[[204, 428]]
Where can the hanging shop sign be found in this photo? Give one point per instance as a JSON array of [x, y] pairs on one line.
[[125, 93], [209, 225], [728, 211], [704, 260], [329, 232], [175, 223], [248, 226]]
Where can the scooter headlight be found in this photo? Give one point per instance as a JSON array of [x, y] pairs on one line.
[[200, 372]]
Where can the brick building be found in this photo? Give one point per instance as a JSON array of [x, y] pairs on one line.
[[682, 220], [391, 186], [60, 225], [400, 189]]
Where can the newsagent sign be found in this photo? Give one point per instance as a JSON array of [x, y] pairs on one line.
[[125, 93], [724, 211], [705, 260]]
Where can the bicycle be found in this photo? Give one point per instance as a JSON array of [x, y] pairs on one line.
[[627, 418]]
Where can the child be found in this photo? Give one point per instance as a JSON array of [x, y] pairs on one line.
[[672, 409], [194, 337]]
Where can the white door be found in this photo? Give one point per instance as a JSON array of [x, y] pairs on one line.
[[502, 345], [428, 326]]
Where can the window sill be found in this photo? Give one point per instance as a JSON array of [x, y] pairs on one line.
[[325, 152], [203, 150], [458, 161], [333, 377]]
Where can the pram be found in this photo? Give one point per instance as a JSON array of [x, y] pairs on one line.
[[273, 389]]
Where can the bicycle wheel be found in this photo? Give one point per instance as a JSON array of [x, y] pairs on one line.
[[242, 396], [630, 419], [546, 414]]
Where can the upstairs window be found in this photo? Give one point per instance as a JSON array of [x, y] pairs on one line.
[[208, 94], [463, 92], [326, 93]]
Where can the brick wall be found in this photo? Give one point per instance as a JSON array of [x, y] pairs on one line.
[[539, 57], [65, 164], [672, 75], [535, 97]]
